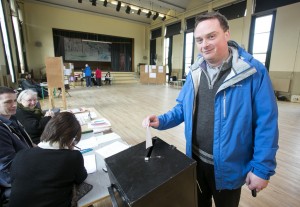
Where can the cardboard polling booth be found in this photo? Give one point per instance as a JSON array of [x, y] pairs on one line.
[[167, 178]]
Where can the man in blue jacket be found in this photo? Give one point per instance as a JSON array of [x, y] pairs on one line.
[[230, 114], [88, 75]]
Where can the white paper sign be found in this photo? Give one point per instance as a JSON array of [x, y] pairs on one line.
[[152, 75], [146, 68], [160, 69]]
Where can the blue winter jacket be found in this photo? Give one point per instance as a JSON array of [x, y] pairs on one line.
[[87, 71], [245, 120]]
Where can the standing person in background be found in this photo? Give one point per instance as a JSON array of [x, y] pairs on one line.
[[98, 76], [88, 73], [230, 114], [31, 115], [45, 175], [13, 138]]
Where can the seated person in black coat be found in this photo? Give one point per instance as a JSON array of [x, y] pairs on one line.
[[29, 83], [30, 115], [45, 175]]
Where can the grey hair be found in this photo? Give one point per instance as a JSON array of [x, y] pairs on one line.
[[27, 92]]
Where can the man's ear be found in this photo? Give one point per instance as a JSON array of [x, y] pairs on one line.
[[227, 35]]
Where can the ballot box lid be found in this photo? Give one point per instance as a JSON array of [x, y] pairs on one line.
[[135, 177]]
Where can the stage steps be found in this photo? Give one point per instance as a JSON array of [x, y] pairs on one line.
[[123, 77]]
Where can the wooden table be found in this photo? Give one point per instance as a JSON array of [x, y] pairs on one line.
[[98, 179]]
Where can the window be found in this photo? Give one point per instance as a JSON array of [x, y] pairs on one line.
[[188, 53], [261, 39], [6, 43], [166, 51], [15, 20]]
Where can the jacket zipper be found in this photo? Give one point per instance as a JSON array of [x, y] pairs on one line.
[[224, 104]]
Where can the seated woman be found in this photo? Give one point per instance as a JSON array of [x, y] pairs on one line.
[[30, 115], [45, 175], [107, 78]]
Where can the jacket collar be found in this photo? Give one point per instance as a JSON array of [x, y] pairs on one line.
[[47, 145], [240, 69]]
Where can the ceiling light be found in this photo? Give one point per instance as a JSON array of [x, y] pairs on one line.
[[139, 12], [128, 10], [155, 16], [149, 14], [105, 3], [164, 18], [118, 6]]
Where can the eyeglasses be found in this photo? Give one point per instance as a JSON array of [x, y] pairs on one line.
[[31, 100]]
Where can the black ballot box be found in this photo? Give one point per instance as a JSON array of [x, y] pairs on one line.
[[166, 179]]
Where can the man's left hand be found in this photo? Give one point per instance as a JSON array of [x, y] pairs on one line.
[[255, 182]]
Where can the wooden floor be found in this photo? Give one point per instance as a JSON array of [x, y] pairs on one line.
[[126, 106]]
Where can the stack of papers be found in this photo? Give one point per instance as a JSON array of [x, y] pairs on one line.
[[112, 149], [97, 140], [99, 123]]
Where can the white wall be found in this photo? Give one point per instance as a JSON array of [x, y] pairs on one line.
[[236, 30], [285, 51], [177, 53]]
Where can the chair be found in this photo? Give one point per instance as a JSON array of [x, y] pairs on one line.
[[3, 199], [67, 88]]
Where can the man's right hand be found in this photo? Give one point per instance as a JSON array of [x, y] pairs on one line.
[[151, 121]]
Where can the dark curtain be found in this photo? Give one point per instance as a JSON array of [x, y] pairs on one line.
[[153, 52], [264, 5], [234, 11], [156, 33], [121, 57], [59, 47], [190, 24], [173, 29]]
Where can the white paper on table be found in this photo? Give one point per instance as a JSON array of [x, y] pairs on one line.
[[88, 143], [112, 149], [107, 137], [90, 163], [86, 115], [148, 138]]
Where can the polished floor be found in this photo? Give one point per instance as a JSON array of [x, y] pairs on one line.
[[126, 106]]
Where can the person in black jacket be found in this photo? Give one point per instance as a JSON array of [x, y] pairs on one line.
[[45, 175], [31, 115], [13, 138]]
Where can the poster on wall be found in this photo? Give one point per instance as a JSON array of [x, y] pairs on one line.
[[86, 50]]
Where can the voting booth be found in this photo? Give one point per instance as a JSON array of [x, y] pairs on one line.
[[167, 178]]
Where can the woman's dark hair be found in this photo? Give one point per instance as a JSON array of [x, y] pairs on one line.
[[64, 129], [213, 15]]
